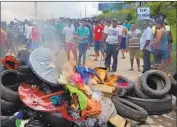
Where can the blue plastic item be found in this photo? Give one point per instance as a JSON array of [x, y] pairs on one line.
[[85, 72], [56, 100]]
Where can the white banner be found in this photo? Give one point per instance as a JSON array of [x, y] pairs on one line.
[[143, 13]]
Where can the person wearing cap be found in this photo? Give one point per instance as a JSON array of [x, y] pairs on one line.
[[113, 37], [133, 46], [160, 45], [82, 35], [145, 45]]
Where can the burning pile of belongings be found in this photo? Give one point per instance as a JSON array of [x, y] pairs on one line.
[[36, 92]]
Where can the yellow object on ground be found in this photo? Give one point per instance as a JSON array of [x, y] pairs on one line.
[[102, 72], [104, 88], [118, 121]]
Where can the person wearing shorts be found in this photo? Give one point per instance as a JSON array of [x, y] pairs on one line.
[[68, 35], [123, 42], [98, 32], [133, 45], [160, 46]]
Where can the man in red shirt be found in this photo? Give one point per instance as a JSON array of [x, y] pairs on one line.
[[35, 37], [98, 32]]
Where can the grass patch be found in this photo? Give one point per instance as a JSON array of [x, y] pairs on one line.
[[173, 31]]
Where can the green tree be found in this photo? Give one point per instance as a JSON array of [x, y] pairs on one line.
[[105, 11]]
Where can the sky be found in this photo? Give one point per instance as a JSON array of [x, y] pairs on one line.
[[25, 10]]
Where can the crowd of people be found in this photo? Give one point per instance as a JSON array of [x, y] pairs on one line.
[[108, 38]]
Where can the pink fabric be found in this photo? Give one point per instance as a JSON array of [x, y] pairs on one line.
[[123, 85], [77, 79], [35, 34], [70, 46]]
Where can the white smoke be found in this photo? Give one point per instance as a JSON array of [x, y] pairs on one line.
[[45, 10]]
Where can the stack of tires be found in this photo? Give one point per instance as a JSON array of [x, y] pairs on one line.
[[9, 83], [10, 79], [150, 96]]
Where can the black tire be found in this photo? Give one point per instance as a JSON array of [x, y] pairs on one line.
[[173, 90], [7, 121], [55, 119], [26, 75], [34, 123], [153, 92], [129, 110], [154, 106], [23, 57], [138, 88], [25, 68], [123, 90], [5, 105], [9, 78]]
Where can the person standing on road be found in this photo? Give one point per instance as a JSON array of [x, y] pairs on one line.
[[127, 25], [59, 27], [28, 33], [88, 24], [3, 43], [69, 42], [160, 45], [113, 38], [133, 46], [82, 34], [98, 31], [170, 41], [123, 42], [49, 33], [108, 24], [35, 36], [145, 45]]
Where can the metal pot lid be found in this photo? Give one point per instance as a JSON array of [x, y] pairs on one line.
[[43, 64]]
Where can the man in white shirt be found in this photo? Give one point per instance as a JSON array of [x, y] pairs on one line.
[[108, 24], [145, 45], [28, 34], [113, 38], [69, 41]]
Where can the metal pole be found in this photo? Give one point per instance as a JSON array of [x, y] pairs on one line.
[[35, 9], [85, 11]]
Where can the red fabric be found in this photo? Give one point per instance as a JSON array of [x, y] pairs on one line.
[[10, 62], [102, 25], [35, 34], [70, 46], [3, 37], [98, 31]]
